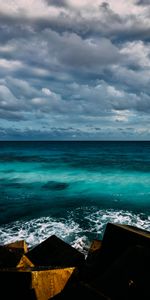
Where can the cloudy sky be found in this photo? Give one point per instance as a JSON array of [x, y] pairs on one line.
[[74, 70]]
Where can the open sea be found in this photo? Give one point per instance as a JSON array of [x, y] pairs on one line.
[[72, 189]]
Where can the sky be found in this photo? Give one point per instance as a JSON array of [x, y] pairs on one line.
[[74, 70]]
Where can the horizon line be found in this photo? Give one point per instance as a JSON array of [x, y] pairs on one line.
[[74, 141]]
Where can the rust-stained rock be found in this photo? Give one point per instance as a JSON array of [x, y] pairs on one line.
[[55, 252], [44, 282], [18, 245]]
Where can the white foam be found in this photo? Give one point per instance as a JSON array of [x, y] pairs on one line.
[[100, 218], [37, 230], [81, 243], [78, 228]]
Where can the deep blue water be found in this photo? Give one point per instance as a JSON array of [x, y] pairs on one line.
[[72, 189]]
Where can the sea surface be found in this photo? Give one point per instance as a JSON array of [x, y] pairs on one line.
[[72, 189]]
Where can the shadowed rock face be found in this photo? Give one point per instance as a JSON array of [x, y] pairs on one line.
[[54, 185], [55, 252]]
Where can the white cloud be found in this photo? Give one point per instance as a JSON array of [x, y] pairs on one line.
[[6, 95], [46, 91], [114, 92], [122, 116], [26, 8], [137, 53], [10, 64], [120, 6], [7, 48], [39, 101], [20, 86]]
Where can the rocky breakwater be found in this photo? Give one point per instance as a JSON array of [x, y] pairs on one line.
[[116, 267]]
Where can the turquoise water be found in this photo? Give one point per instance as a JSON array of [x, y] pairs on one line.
[[72, 189]]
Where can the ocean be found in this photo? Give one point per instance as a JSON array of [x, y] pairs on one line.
[[72, 189]]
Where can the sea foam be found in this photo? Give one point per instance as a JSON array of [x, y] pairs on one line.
[[74, 229]]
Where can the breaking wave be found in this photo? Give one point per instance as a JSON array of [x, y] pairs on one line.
[[74, 229]]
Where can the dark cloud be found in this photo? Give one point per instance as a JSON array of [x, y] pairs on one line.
[[83, 53], [105, 23], [108, 14], [12, 116], [57, 3], [142, 2], [78, 73]]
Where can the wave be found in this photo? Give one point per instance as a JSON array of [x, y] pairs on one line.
[[78, 228]]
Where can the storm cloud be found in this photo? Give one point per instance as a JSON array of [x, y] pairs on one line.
[[143, 2], [72, 70], [57, 3]]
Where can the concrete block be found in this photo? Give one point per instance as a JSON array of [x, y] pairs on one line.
[[49, 283], [95, 245], [18, 245], [128, 277], [93, 251], [81, 291], [24, 263], [117, 238], [44, 282], [9, 257], [55, 252]]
